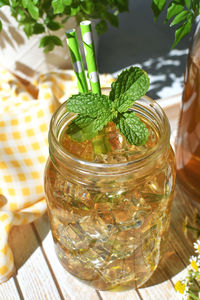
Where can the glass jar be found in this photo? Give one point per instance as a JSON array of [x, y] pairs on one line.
[[109, 220], [188, 136]]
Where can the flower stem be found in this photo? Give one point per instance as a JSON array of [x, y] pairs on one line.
[[193, 296]]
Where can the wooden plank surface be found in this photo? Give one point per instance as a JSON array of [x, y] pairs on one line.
[[40, 275], [70, 287]]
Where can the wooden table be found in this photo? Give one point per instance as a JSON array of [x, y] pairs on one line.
[[40, 276]]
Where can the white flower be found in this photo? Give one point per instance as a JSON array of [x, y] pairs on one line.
[[194, 263], [197, 246]]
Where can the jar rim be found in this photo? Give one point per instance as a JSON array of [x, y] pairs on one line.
[[63, 154]]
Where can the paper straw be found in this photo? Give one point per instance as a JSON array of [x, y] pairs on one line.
[[86, 31], [77, 61]]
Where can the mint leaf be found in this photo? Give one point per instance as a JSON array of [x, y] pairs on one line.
[[132, 128], [88, 104], [75, 127], [95, 111], [125, 80], [84, 127], [80, 122], [131, 85]]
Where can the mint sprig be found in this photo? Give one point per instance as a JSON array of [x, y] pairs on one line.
[[95, 111]]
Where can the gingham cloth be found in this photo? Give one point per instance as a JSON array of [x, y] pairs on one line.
[[25, 114]]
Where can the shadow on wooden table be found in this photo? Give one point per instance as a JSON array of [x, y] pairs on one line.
[[180, 244], [24, 240]]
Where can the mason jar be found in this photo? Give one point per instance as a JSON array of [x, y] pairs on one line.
[[109, 202]]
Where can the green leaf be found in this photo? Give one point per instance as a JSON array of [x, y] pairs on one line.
[[182, 31], [101, 27], [49, 47], [122, 5], [14, 3], [33, 10], [38, 28], [49, 42], [53, 25], [86, 128], [4, 2], [74, 11], [87, 7], [88, 104], [173, 9], [113, 20], [1, 25], [28, 29], [130, 85], [78, 123], [95, 111], [58, 6], [157, 7], [195, 7], [67, 2], [188, 3], [132, 128], [25, 3], [182, 16]]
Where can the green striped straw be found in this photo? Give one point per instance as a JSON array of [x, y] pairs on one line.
[[77, 61], [86, 31]]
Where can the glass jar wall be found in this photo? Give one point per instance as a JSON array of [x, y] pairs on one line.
[[109, 207]]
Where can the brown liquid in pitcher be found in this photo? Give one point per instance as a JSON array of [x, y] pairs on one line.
[[188, 140]]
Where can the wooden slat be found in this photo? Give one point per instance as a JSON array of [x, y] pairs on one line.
[[33, 276], [40, 275], [163, 290], [69, 285], [128, 295], [159, 286], [8, 290]]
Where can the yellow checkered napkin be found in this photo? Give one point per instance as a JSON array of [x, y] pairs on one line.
[[24, 122]]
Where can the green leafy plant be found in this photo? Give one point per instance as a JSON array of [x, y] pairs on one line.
[[95, 111], [180, 13], [40, 16]]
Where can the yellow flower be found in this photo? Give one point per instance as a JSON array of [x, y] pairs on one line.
[[180, 287], [193, 264]]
